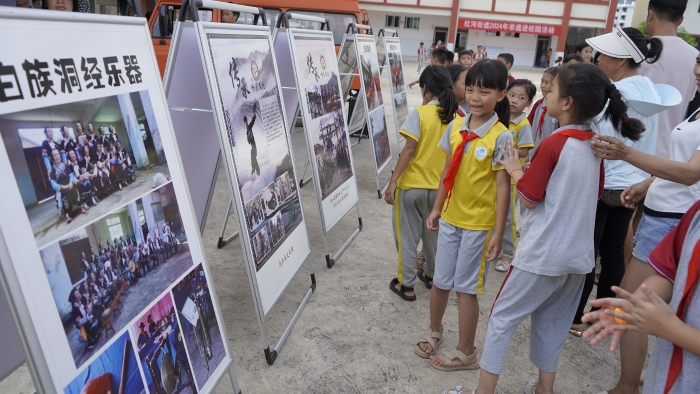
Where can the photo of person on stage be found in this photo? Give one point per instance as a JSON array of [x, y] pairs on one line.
[[69, 178], [332, 152], [396, 67], [105, 274], [199, 324]]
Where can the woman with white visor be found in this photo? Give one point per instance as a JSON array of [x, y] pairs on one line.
[[621, 54]]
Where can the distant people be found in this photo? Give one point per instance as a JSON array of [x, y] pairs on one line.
[[422, 55], [585, 51], [458, 73], [229, 16], [143, 335], [152, 326], [480, 54], [557, 63], [439, 56], [437, 45], [543, 125], [573, 59], [508, 60], [549, 57], [464, 57], [61, 5]]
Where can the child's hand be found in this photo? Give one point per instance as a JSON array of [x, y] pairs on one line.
[[495, 246], [410, 85], [389, 193], [634, 194], [432, 222], [510, 161], [601, 326], [650, 317]]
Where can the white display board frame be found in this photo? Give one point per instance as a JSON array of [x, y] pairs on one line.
[[346, 194], [392, 44], [22, 273], [376, 114], [190, 47]]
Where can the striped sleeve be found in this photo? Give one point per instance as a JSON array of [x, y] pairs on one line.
[[533, 185]]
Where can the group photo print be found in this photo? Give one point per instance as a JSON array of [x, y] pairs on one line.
[[325, 98], [370, 77], [104, 275], [332, 151], [74, 162], [401, 108], [398, 84], [380, 138], [199, 325]]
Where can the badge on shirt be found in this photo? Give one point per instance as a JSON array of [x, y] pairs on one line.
[[480, 152]]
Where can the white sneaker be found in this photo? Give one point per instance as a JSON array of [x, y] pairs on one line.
[[502, 266]]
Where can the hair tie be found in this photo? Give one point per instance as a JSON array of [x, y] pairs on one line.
[[625, 119], [610, 89]]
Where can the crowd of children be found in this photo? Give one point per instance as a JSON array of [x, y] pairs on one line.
[[577, 167]]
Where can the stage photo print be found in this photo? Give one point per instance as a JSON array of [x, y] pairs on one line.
[[396, 68], [199, 324], [257, 137], [370, 72], [161, 349], [74, 162], [380, 137], [401, 108], [105, 274], [115, 371]]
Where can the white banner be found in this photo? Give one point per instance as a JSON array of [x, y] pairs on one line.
[[243, 77], [324, 117], [95, 213]]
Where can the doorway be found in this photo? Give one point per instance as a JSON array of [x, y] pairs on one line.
[[440, 35], [461, 40], [541, 52]]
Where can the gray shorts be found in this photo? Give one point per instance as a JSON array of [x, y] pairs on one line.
[[460, 262], [650, 232]]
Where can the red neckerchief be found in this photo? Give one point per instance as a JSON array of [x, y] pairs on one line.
[[540, 122], [674, 370], [460, 112], [456, 160], [576, 133]]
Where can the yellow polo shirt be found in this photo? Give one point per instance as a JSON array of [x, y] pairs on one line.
[[473, 202], [521, 131], [425, 168]]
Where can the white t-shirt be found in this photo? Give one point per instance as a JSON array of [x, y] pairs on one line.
[[675, 68], [671, 197]]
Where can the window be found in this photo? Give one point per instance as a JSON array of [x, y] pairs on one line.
[[492, 33], [142, 218], [392, 21], [623, 17], [622, 25], [115, 227], [624, 9], [412, 23]]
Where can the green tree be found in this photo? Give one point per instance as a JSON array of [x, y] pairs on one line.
[[681, 32]]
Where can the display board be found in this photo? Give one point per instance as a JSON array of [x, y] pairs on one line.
[[242, 75], [347, 70], [394, 65], [101, 251], [324, 118]]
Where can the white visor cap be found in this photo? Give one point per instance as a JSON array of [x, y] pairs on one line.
[[616, 44]]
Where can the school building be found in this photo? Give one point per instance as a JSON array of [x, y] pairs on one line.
[[524, 28]]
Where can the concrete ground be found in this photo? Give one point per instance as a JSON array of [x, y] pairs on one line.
[[355, 335]]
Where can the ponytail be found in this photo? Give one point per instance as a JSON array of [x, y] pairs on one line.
[[503, 111], [617, 114], [650, 48], [437, 81], [655, 46]]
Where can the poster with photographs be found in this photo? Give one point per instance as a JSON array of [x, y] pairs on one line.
[[398, 84], [324, 120], [258, 154], [95, 213]]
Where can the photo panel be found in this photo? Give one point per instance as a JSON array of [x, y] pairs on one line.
[[401, 108], [393, 48], [105, 274], [380, 138], [261, 154], [161, 350], [116, 370], [73, 162], [331, 152], [199, 325], [369, 69]]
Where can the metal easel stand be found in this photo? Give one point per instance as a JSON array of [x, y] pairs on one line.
[[223, 241], [330, 261]]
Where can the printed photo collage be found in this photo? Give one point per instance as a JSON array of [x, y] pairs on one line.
[[111, 238], [398, 87]]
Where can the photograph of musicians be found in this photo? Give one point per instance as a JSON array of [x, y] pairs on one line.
[[143, 335], [144, 258], [47, 146], [68, 144], [112, 135], [229, 16], [62, 181], [152, 326], [92, 138], [251, 140], [153, 251], [83, 317]]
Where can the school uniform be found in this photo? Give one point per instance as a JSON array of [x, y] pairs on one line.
[[521, 131], [469, 216], [676, 258], [416, 191], [555, 252], [543, 125]]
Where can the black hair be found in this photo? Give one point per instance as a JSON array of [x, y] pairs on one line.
[[421, 43], [45, 5], [668, 10], [582, 46], [245, 119], [464, 52], [651, 47], [575, 56], [440, 54], [590, 89], [46, 128], [455, 70], [595, 58], [507, 57], [450, 56], [437, 81], [552, 71], [530, 88], [491, 74]]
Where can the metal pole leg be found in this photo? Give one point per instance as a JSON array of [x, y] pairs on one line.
[[303, 181], [222, 242]]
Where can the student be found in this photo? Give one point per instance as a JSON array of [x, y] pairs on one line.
[[414, 183], [458, 74], [543, 125], [573, 59], [560, 191], [508, 60], [449, 59], [471, 201], [439, 56], [665, 306], [465, 58], [558, 62], [585, 51], [480, 54], [520, 95], [422, 52]]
